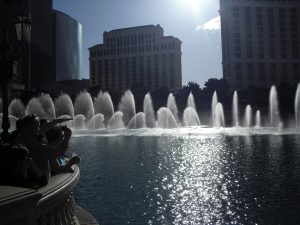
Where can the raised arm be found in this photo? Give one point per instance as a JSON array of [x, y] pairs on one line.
[[46, 126]]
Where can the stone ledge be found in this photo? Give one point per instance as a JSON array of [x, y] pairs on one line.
[[83, 217], [52, 204]]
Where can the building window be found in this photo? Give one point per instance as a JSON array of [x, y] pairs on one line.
[[250, 77], [262, 77], [93, 67], [100, 67], [238, 76], [273, 77]]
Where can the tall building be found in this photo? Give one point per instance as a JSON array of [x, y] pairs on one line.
[[34, 63], [136, 55], [67, 47], [9, 13], [41, 42], [260, 42], [54, 51]]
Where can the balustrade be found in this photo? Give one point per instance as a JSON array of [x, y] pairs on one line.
[[50, 205]]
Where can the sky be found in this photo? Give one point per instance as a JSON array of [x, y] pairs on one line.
[[195, 22]]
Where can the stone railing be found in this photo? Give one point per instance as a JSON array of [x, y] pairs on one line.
[[49, 205]]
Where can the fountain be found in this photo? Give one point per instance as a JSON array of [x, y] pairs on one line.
[[79, 121], [214, 103], [297, 106], [101, 114], [138, 121], [16, 108], [191, 101], [275, 120], [190, 117], [248, 116], [116, 121], [257, 119], [165, 118], [48, 106], [104, 105], [127, 106], [84, 105], [171, 104], [149, 112], [35, 107], [64, 106], [219, 116], [1, 105], [235, 110], [97, 122]]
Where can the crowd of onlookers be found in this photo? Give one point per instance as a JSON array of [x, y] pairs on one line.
[[35, 151]]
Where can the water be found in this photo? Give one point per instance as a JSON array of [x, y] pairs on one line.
[[127, 106], [87, 110], [172, 106], [84, 105], [191, 101], [149, 112], [16, 108], [219, 116], [104, 105], [190, 117], [248, 116], [214, 103], [258, 119], [235, 110], [275, 120], [297, 106], [189, 176], [64, 106], [165, 118]]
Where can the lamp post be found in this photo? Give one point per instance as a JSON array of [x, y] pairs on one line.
[[7, 58]]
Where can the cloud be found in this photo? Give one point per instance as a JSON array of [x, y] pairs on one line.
[[211, 25]]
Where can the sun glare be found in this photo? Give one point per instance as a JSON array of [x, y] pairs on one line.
[[193, 5]]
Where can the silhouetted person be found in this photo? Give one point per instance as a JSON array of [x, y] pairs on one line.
[[20, 170], [41, 153], [58, 165]]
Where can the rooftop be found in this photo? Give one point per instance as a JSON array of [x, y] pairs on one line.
[[135, 28]]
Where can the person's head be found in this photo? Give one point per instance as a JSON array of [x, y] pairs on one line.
[[29, 123], [54, 134], [43, 121]]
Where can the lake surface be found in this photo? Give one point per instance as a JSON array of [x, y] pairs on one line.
[[189, 176]]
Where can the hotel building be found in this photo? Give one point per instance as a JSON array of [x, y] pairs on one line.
[[67, 47], [260, 42], [136, 55]]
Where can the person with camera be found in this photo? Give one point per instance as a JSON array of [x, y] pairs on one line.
[[59, 165], [42, 153]]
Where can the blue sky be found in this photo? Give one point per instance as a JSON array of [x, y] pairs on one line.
[[194, 22]]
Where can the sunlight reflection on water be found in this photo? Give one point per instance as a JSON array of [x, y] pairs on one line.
[[202, 179]]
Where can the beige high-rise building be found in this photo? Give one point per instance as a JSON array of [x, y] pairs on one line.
[[260, 42], [136, 56]]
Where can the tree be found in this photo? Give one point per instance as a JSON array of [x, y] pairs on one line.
[[139, 91], [214, 84]]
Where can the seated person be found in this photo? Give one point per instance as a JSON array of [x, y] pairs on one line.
[[41, 153], [20, 169], [58, 165]]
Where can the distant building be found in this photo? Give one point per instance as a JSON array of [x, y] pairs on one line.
[[67, 47], [54, 51], [136, 55], [9, 13], [41, 54], [70, 87], [260, 42]]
